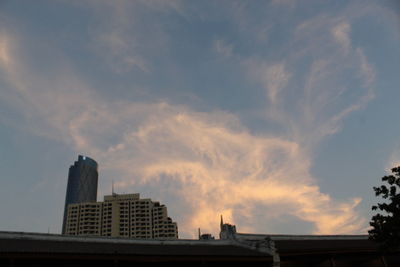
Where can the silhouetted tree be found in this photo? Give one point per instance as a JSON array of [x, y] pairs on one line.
[[386, 224]]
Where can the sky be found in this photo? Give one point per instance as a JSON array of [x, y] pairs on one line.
[[280, 115]]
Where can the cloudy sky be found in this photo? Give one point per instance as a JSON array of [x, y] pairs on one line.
[[281, 115]]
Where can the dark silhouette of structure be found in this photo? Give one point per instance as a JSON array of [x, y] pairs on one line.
[[33, 249], [82, 184], [313, 250]]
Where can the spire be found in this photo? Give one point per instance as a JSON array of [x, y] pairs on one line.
[[199, 233], [222, 221], [112, 189]]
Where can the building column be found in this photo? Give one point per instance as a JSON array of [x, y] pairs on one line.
[[384, 263], [276, 260], [332, 260]]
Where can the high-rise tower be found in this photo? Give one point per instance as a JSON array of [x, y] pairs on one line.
[[82, 184]]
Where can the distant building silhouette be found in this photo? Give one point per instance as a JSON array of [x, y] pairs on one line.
[[227, 230], [124, 215], [205, 236], [82, 184]]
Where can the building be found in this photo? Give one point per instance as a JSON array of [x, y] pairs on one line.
[[125, 215], [314, 250], [82, 184], [33, 249]]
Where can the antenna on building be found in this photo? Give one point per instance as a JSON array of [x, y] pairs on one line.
[[222, 221], [112, 188], [199, 233]]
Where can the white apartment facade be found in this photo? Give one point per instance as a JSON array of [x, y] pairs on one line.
[[123, 215]]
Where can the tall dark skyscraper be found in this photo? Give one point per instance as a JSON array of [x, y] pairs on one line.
[[82, 184]]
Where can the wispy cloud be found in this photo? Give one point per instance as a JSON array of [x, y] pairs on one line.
[[322, 80], [207, 162], [223, 48], [118, 39], [275, 79], [221, 170], [4, 51], [341, 33], [202, 164]]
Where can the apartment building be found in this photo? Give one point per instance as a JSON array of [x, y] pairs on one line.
[[125, 215]]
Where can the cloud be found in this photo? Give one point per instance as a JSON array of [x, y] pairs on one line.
[[367, 71], [320, 83], [221, 170], [223, 48], [119, 54], [341, 33], [120, 40], [114, 39], [4, 51], [203, 164], [275, 79], [208, 163]]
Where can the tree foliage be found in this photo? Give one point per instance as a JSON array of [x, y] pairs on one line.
[[386, 223]]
